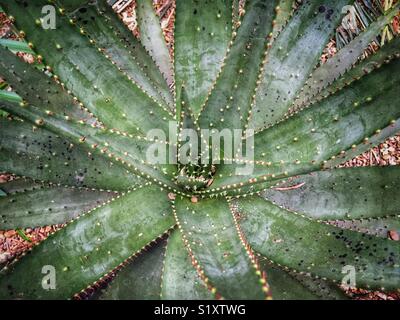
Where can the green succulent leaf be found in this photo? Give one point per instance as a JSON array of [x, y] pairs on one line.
[[86, 71], [323, 250], [16, 46], [348, 193], [292, 57], [105, 28], [19, 185], [91, 246], [47, 205], [386, 53], [52, 158], [33, 85], [235, 12], [284, 11], [324, 289], [285, 287], [213, 241], [91, 131], [132, 151], [10, 96], [187, 119], [71, 5], [288, 285], [152, 38], [179, 279], [365, 107], [328, 133], [187, 126], [140, 279], [229, 101], [336, 66], [202, 33]]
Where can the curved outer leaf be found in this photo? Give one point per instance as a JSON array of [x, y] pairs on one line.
[[210, 235], [287, 285], [47, 205], [104, 26], [325, 289], [39, 89], [179, 278], [104, 90], [363, 107], [305, 245], [363, 113], [90, 247], [348, 193], [202, 33], [292, 57], [152, 38], [42, 155], [229, 101], [344, 59], [16, 46], [366, 66], [134, 152], [10, 96], [141, 279]]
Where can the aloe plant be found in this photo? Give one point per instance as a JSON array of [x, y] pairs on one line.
[[76, 134]]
